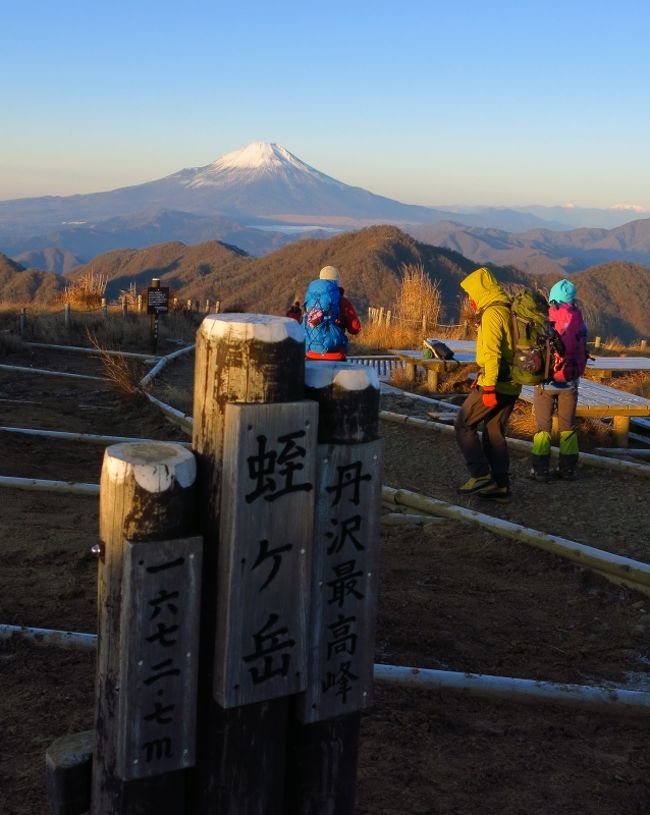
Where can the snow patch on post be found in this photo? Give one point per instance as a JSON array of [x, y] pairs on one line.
[[343, 375], [243, 327], [156, 466]]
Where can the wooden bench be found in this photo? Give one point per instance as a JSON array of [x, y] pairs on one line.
[[434, 367], [605, 367], [601, 401]]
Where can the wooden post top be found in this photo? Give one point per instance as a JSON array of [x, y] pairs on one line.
[[246, 327], [348, 377], [155, 466]]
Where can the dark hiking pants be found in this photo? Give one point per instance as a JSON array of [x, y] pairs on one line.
[[490, 453]]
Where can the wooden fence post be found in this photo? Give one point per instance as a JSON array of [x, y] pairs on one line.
[[252, 359], [22, 321], [104, 307], [139, 304], [125, 306], [148, 597], [324, 732], [66, 315]]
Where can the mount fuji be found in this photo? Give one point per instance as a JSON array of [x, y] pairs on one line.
[[258, 198], [260, 183]]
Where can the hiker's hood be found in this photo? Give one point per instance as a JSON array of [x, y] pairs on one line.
[[483, 288]]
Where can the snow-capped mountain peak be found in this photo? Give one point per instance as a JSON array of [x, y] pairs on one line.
[[256, 160], [257, 155]]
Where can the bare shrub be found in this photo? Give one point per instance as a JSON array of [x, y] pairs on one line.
[[419, 303], [123, 373], [86, 293]]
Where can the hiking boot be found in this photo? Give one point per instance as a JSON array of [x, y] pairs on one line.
[[542, 476], [475, 484], [495, 493]]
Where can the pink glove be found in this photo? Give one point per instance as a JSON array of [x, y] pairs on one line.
[[489, 397]]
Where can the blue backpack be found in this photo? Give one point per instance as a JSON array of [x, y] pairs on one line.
[[322, 309]]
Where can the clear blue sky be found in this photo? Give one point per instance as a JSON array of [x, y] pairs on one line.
[[510, 102]]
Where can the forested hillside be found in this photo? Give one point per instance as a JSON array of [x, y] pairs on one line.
[[615, 296]]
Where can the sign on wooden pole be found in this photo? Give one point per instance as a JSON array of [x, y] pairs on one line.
[[344, 581], [159, 639], [265, 547], [240, 359], [146, 503], [322, 755]]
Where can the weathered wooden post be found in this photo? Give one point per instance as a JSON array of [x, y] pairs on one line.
[[22, 320], [324, 732], [249, 407], [207, 306], [125, 306], [148, 601], [66, 315], [597, 342], [217, 307], [139, 304], [643, 345], [105, 307]]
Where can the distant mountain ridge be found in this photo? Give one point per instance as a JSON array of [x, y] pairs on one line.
[[260, 185], [543, 251], [616, 296]]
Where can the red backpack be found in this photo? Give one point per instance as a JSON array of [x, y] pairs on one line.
[[567, 321]]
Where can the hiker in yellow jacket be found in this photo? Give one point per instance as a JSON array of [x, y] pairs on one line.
[[488, 406]]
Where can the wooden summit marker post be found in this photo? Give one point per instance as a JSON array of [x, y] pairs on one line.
[[254, 439], [148, 600], [322, 756]]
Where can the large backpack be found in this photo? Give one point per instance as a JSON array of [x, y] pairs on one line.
[[570, 364], [535, 341], [322, 310]]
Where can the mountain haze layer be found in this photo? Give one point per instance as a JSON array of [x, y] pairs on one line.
[[542, 251], [259, 198]]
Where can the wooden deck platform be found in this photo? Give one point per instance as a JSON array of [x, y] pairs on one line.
[[600, 401], [594, 398]]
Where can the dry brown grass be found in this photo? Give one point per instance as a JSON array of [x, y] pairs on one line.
[[414, 317], [115, 331], [638, 383], [86, 293], [419, 303], [123, 373]]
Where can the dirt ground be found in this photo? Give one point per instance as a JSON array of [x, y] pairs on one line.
[[451, 596]]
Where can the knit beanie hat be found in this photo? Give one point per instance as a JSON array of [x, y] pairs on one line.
[[329, 273], [562, 292]]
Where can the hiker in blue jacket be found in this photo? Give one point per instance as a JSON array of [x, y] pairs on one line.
[[562, 392], [328, 315]]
